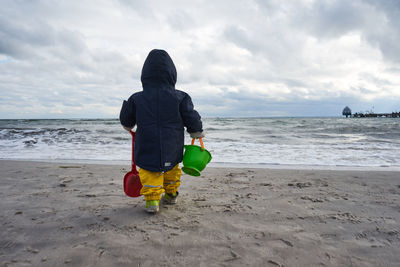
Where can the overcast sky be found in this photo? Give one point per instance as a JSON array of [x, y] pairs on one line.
[[81, 59]]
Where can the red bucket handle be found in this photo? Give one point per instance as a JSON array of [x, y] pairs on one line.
[[201, 143], [133, 151]]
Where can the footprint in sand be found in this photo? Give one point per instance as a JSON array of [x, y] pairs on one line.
[[300, 185], [312, 199], [274, 263]]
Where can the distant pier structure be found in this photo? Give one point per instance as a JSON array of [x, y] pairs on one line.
[[347, 112], [376, 115]]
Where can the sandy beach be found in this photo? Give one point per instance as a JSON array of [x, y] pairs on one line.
[[55, 214]]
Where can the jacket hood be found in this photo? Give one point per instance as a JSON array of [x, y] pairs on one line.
[[158, 69]]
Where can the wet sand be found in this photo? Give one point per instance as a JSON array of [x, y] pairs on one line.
[[77, 215]]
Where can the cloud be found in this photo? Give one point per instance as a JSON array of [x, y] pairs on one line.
[[332, 19], [252, 58]]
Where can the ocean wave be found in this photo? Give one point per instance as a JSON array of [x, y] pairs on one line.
[[307, 141]]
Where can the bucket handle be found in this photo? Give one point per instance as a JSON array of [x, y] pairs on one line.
[[133, 151], [201, 143]]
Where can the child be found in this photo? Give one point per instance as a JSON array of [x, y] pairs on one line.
[[160, 112]]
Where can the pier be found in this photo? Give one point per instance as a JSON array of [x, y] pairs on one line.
[[347, 112], [376, 115]]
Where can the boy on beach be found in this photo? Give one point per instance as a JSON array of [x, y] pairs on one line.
[[160, 113]]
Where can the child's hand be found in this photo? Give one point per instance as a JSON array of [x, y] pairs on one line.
[[127, 128], [197, 135]]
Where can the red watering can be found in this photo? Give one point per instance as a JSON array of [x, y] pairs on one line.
[[132, 184]]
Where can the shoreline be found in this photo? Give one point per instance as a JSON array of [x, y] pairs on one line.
[[228, 165], [56, 214]]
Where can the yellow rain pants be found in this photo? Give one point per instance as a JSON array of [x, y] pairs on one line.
[[156, 183]]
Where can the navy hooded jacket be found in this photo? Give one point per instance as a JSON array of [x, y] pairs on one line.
[[160, 112]]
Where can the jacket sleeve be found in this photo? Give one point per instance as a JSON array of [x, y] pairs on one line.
[[191, 118], [127, 116]]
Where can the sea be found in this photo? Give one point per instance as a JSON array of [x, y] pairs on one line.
[[365, 143]]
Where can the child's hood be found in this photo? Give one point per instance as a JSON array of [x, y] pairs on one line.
[[159, 70]]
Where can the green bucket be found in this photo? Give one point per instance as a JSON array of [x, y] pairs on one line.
[[195, 159]]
